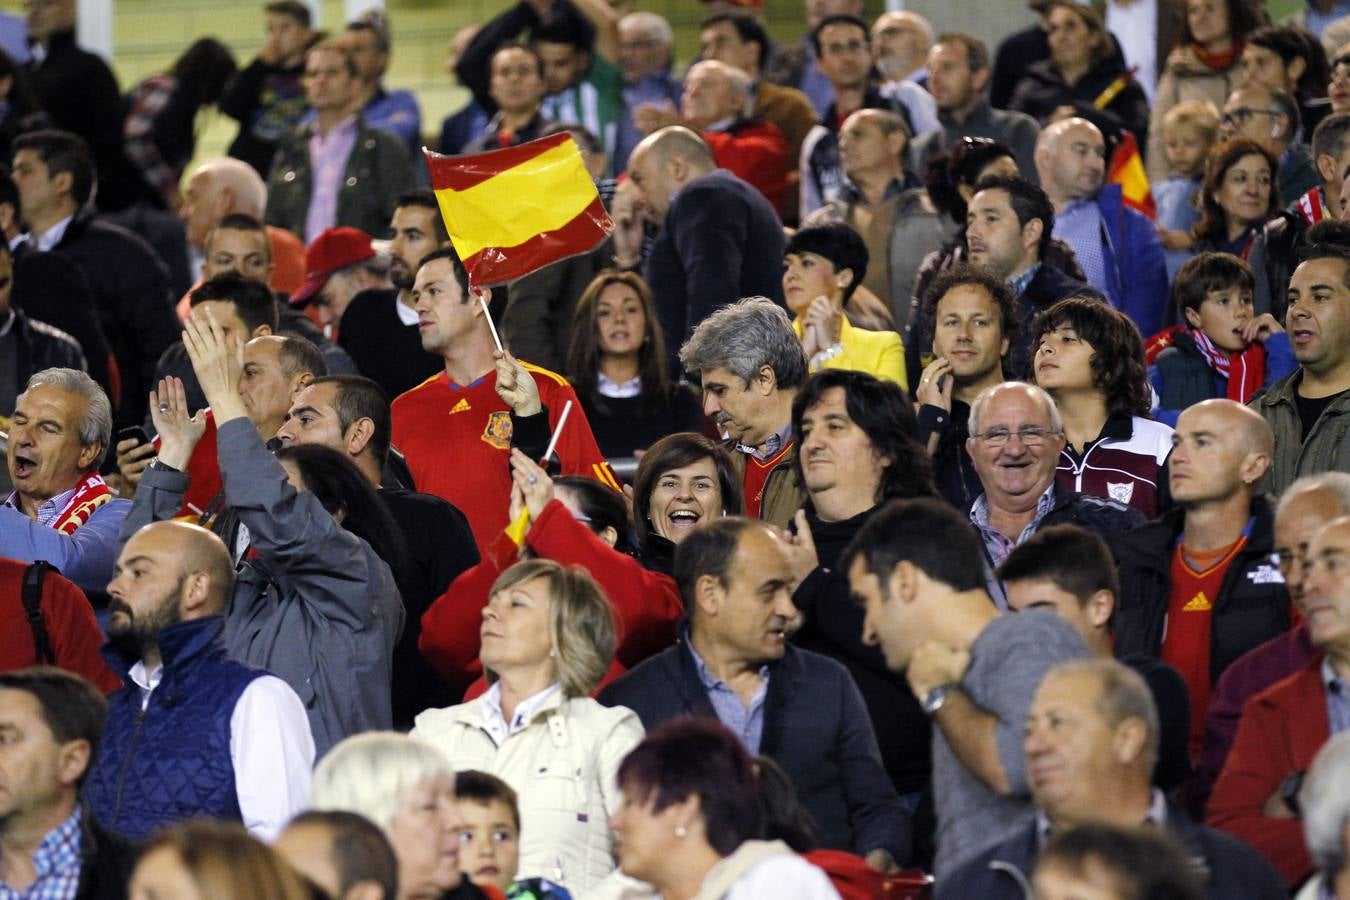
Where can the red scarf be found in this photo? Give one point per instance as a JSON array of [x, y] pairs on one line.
[[1245, 371], [1221, 61], [90, 494], [1311, 207]]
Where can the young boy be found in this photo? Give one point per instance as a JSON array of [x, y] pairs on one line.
[[1189, 131], [1222, 350], [489, 843]]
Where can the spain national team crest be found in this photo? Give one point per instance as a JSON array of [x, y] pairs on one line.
[[498, 430], [1121, 493]]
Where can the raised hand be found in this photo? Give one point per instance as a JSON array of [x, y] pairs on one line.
[[515, 385], [179, 432]]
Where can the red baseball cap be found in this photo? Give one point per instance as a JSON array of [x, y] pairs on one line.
[[334, 249]]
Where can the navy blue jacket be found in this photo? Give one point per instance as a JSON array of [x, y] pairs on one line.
[[170, 761], [815, 726], [1136, 266]]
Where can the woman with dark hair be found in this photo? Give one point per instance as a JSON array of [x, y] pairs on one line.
[[159, 134], [1237, 197], [690, 823], [1207, 65], [823, 265], [1083, 76], [1293, 60], [574, 521], [1090, 359], [616, 361], [683, 481]]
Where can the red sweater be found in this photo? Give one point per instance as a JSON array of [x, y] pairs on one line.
[[646, 603], [1281, 731], [457, 441], [72, 631], [755, 151]]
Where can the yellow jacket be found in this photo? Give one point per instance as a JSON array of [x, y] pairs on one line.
[[878, 353]]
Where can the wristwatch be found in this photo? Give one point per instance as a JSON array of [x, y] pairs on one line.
[[937, 697]]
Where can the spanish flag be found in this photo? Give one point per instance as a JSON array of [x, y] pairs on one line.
[[512, 211]]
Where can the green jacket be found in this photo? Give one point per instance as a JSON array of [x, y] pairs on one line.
[[378, 170], [1326, 449]]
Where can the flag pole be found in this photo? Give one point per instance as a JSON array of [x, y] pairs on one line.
[[557, 432]]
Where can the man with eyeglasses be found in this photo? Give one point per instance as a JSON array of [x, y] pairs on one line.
[[1270, 118], [1257, 795], [1015, 440], [1198, 584]]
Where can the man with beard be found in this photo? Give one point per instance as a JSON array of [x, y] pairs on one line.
[[379, 328], [192, 733]]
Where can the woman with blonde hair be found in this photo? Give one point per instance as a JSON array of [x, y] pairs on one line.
[[207, 860], [547, 638]]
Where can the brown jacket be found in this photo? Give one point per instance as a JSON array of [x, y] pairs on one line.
[[783, 493]]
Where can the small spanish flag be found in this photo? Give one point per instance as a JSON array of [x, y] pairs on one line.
[[1127, 170], [512, 211]]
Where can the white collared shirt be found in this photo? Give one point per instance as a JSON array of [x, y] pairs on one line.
[[52, 236], [271, 748], [495, 722], [607, 387]]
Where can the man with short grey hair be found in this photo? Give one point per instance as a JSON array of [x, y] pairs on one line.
[[751, 364], [60, 509]]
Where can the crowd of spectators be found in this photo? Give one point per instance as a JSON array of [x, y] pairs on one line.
[[900, 501]]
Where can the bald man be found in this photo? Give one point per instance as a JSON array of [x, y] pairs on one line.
[[1117, 246], [192, 733], [219, 187], [1282, 728], [718, 235], [1199, 586]]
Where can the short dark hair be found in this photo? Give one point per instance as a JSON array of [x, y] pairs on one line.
[[62, 151], [1028, 202], [836, 242], [425, 198], [1290, 43], [71, 706], [977, 52], [885, 414], [574, 32], [237, 221], [358, 849], [601, 504], [1139, 863], [1329, 138], [356, 397], [945, 173], [1119, 371], [331, 46], [253, 300], [839, 19], [456, 264], [747, 28], [1074, 559], [1329, 239], [698, 757], [675, 451], [967, 274], [517, 45], [293, 8], [927, 533], [709, 550], [1206, 272], [485, 788], [297, 354], [374, 23]]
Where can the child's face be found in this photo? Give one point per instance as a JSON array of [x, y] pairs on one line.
[[1221, 316], [1186, 149], [489, 843]]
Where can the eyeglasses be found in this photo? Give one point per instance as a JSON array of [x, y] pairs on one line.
[[1029, 435], [1242, 115]]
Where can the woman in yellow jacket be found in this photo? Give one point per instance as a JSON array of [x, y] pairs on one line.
[[822, 267]]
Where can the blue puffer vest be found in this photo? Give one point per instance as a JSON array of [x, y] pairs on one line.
[[171, 761]]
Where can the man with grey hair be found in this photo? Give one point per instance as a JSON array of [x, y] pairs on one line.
[[719, 239], [1270, 117], [1016, 436], [901, 40], [646, 51], [60, 510], [1091, 744], [1325, 798], [751, 365]]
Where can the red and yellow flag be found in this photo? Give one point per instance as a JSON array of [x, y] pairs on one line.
[[1127, 170], [512, 211]]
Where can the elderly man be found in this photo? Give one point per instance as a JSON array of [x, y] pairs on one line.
[[50, 846], [1305, 407], [335, 169], [1270, 117], [973, 670], [224, 186], [1091, 744], [751, 365], [646, 53], [60, 510], [885, 205], [1117, 246], [901, 41], [797, 707], [719, 239], [230, 741], [1198, 587], [1015, 440], [350, 414]]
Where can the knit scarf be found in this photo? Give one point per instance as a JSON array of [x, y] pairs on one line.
[[1245, 371], [90, 493]]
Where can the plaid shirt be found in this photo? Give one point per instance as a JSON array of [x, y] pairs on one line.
[[147, 102], [57, 862]]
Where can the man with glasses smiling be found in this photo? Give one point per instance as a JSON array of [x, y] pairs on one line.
[[1015, 440]]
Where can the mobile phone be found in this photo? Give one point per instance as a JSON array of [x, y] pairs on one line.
[[132, 431]]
